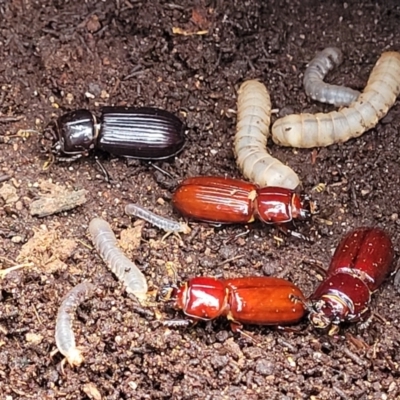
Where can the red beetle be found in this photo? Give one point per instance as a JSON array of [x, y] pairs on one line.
[[229, 201], [360, 264], [250, 300]]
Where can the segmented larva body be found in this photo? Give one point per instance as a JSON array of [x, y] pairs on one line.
[[105, 243], [168, 225], [252, 130], [316, 130], [315, 73], [65, 338]]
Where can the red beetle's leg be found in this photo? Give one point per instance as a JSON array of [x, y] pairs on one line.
[[288, 231], [175, 323], [299, 235], [316, 264], [236, 326], [357, 342], [333, 330], [367, 317], [289, 329], [365, 324], [214, 225], [371, 315], [295, 299], [145, 312], [232, 238]]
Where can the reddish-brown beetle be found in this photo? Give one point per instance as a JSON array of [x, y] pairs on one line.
[[229, 201], [361, 262], [250, 300]]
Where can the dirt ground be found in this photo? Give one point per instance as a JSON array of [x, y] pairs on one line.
[[57, 56]]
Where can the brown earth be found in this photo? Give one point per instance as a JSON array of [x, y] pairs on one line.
[[57, 56]]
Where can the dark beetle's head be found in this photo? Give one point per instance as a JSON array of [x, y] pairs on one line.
[[76, 133]]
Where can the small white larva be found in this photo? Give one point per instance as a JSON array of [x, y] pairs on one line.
[[168, 225], [316, 71], [106, 244], [252, 130], [316, 130], [64, 335]]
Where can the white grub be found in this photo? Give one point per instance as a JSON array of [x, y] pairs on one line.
[[324, 129], [64, 335], [315, 73], [167, 225], [106, 244], [252, 130]]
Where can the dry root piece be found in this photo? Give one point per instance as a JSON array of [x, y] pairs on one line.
[[47, 250], [9, 193], [6, 271], [91, 391], [130, 238], [56, 199]]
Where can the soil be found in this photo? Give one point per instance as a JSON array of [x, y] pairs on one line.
[[188, 58]]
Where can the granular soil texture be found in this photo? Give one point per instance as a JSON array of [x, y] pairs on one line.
[[188, 58]]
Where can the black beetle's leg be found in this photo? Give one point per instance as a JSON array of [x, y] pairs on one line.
[[107, 176], [69, 159], [161, 170]]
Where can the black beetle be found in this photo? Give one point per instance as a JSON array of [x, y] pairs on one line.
[[144, 133]]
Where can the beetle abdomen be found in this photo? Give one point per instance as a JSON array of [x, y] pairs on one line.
[[145, 133]]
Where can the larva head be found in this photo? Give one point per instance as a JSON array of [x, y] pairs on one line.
[[74, 357]]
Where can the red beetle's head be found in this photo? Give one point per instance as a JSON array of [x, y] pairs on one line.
[[303, 207], [329, 311], [174, 293]]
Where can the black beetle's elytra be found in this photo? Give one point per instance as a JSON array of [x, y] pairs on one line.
[[143, 133]]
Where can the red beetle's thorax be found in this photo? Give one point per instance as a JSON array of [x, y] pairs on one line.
[[203, 298], [274, 205]]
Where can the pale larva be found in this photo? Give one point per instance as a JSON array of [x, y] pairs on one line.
[[315, 130], [65, 338], [168, 225], [252, 130], [317, 89], [106, 244]]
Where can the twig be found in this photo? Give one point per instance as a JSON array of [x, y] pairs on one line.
[[4, 272]]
